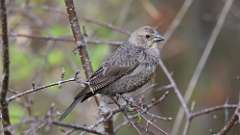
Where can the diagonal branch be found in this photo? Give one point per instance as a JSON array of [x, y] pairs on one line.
[[235, 118], [203, 60], [5, 76], [177, 20], [80, 40], [81, 43], [175, 87], [78, 37], [107, 25]]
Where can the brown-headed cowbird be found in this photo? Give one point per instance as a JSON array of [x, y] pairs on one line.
[[127, 69]]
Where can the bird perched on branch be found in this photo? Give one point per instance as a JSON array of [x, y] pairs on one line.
[[127, 69]]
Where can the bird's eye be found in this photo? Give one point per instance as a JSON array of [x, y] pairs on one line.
[[147, 36]]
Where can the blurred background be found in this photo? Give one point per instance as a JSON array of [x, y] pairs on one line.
[[41, 61]]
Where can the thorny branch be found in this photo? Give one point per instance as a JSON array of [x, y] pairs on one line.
[[5, 76]]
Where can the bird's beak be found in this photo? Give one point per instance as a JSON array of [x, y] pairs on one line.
[[158, 38]]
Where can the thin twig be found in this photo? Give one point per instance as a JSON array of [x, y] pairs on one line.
[[154, 125], [150, 9], [61, 39], [172, 28], [202, 61], [86, 19], [159, 100], [235, 117], [123, 110], [33, 90], [5, 76], [97, 123], [143, 109], [107, 25], [119, 126], [77, 127], [230, 123], [175, 87], [177, 20], [212, 109]]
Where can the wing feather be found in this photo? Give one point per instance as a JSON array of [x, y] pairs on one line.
[[114, 68]]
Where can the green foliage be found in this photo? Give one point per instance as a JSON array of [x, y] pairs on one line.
[[16, 113], [102, 32], [22, 65], [97, 55], [55, 57], [61, 3], [58, 30]]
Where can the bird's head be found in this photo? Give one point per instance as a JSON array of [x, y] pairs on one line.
[[146, 37]]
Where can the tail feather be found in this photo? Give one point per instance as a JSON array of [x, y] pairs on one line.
[[81, 97], [88, 95], [69, 109]]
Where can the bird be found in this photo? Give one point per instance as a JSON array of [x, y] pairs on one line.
[[127, 69]]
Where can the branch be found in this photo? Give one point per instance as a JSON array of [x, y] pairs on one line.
[[177, 20], [212, 109], [5, 60], [81, 44], [77, 127], [59, 11], [175, 23], [175, 87], [140, 109], [202, 61], [80, 40], [59, 39], [97, 123], [33, 90], [107, 25], [235, 117], [123, 110], [78, 37]]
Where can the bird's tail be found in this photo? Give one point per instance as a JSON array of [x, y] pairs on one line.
[[82, 96]]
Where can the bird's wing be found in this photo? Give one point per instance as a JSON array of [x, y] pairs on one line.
[[123, 61]]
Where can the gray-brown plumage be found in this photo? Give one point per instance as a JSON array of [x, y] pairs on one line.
[[127, 69]]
